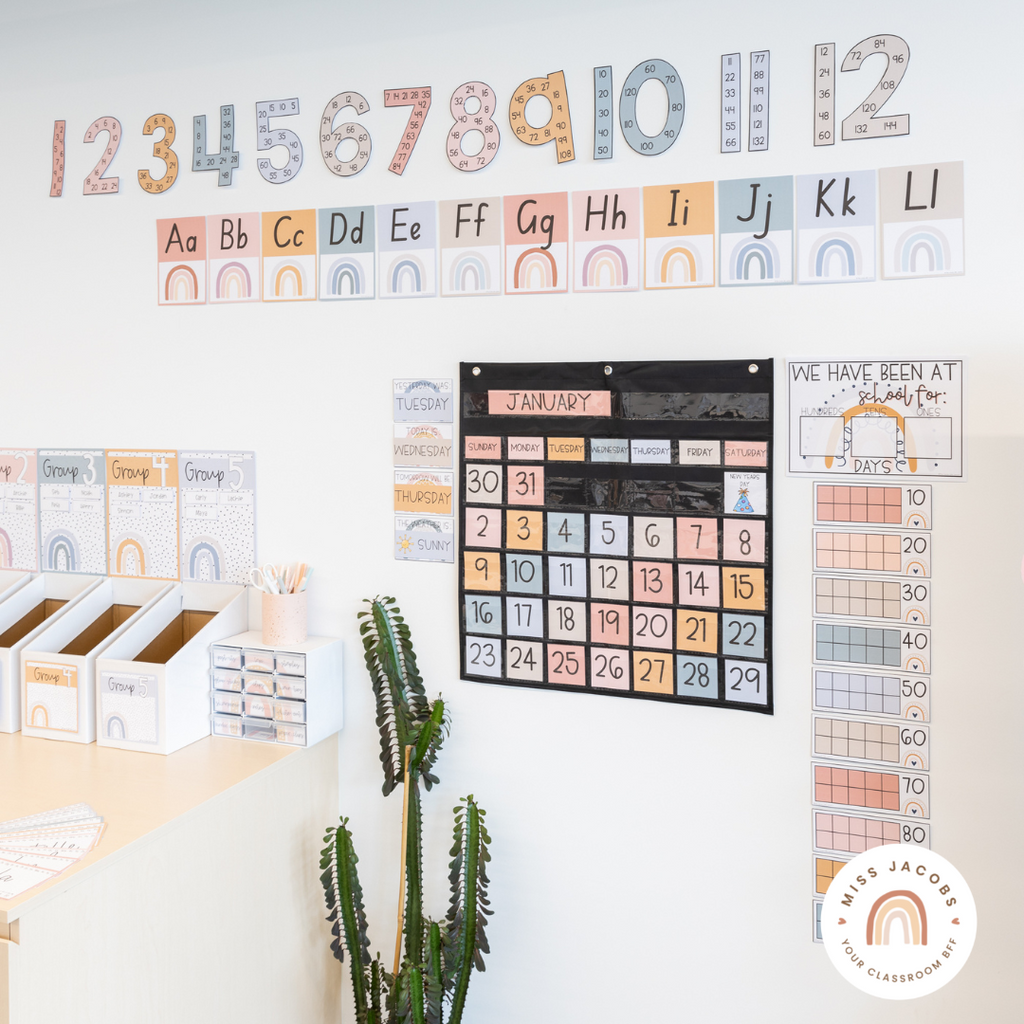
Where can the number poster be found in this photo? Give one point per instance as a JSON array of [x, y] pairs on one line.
[[616, 529]]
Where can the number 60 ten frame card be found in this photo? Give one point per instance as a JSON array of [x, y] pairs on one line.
[[615, 523]]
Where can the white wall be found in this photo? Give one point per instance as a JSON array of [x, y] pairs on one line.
[[650, 861]]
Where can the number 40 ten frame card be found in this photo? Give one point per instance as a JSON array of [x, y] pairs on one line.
[[615, 524]]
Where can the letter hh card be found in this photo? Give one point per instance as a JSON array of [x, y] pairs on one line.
[[72, 511], [407, 242], [423, 400], [922, 210], [470, 232], [234, 245], [181, 261], [18, 510], [606, 240], [755, 231], [142, 513], [346, 252], [679, 235], [536, 243], [289, 256], [898, 418], [218, 516], [835, 220], [424, 539]]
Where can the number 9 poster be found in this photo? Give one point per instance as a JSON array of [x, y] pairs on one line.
[[616, 528]]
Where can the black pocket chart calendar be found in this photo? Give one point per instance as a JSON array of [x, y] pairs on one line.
[[616, 528]]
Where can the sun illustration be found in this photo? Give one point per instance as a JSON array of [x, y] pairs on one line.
[[405, 543]]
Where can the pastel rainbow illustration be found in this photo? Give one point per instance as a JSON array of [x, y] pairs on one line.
[[130, 558], [871, 409], [114, 727], [470, 266], [346, 278], [39, 717], [679, 264], [407, 268], [288, 281], [6, 550], [923, 244], [898, 905], [833, 249], [181, 285], [60, 552], [759, 254], [204, 560], [233, 277], [605, 258], [539, 263]]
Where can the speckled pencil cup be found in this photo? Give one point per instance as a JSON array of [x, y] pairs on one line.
[[284, 619]]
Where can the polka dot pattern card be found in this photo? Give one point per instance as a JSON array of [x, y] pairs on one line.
[[218, 516], [615, 529]]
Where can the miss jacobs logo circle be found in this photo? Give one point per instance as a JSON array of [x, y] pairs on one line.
[[898, 922]]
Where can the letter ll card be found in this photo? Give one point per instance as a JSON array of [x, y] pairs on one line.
[[922, 210]]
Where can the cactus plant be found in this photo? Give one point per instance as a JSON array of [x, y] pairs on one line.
[[433, 969]]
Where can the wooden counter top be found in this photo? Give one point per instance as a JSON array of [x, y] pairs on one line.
[[136, 794]]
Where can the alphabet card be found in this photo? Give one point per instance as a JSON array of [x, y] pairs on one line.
[[142, 516], [72, 511], [181, 261], [606, 240], [922, 208], [289, 256], [835, 219], [679, 235], [536, 243], [346, 252], [18, 520], [755, 224], [234, 245], [407, 243], [470, 231], [218, 516]]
